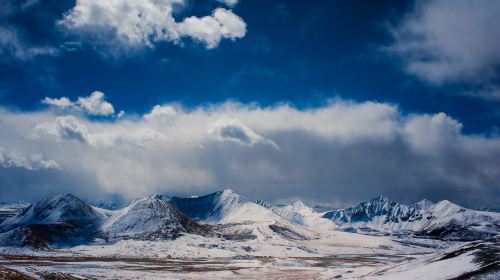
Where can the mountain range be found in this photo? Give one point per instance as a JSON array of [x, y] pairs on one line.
[[66, 220]]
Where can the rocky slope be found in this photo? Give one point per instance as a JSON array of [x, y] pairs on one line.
[[443, 220]]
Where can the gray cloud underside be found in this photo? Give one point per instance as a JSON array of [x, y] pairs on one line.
[[339, 153]]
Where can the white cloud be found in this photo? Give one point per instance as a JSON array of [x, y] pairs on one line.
[[32, 162], [343, 149], [145, 22], [71, 128], [63, 102], [211, 29], [230, 3], [161, 113], [65, 128], [432, 133], [233, 130], [96, 104], [450, 41]]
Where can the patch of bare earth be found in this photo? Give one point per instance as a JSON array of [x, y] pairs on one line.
[[11, 274]]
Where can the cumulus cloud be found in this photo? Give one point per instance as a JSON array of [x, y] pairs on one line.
[[161, 113], [32, 162], [145, 22], [211, 29], [65, 128], [94, 104], [233, 130], [343, 150], [450, 41], [63, 102]]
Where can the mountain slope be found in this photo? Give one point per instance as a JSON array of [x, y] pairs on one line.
[[211, 208], [238, 217], [67, 220], [443, 220], [150, 218], [8, 210], [300, 213], [447, 220], [62, 219]]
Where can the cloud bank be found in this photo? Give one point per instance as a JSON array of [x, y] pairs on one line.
[[343, 151]]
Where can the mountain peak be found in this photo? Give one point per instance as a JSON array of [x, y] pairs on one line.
[[211, 207], [446, 205], [380, 198], [65, 197], [160, 197], [298, 203], [226, 192], [151, 218], [64, 210]]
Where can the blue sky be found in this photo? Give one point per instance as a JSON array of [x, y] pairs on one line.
[[417, 59], [292, 52]]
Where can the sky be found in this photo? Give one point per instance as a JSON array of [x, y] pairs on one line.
[[332, 102]]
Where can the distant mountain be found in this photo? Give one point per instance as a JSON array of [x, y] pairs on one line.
[[150, 218], [238, 217], [443, 220], [211, 208], [299, 213], [62, 219], [67, 220], [8, 210], [109, 202], [488, 209]]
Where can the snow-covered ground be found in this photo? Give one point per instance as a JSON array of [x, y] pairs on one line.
[[349, 255]]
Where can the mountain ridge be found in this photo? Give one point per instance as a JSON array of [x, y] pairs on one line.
[[68, 220]]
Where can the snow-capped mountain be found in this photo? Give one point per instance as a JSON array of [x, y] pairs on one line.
[[443, 220], [299, 213], [379, 210], [62, 219], [8, 210], [238, 217], [211, 208], [150, 218], [62, 209], [67, 219], [447, 220]]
